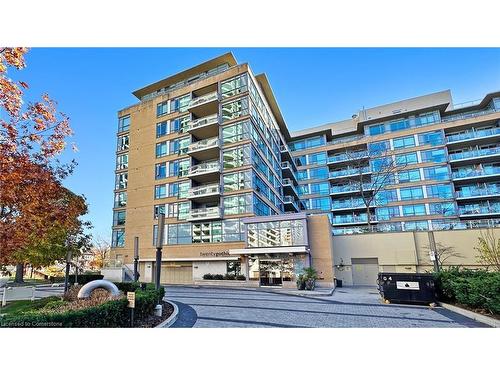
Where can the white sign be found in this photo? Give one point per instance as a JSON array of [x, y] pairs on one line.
[[408, 285], [432, 255], [131, 299]]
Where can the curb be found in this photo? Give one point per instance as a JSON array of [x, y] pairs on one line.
[[172, 318], [492, 322]]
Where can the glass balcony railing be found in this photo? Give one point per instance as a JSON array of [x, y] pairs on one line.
[[200, 191], [200, 122], [349, 188], [345, 139], [485, 171], [204, 213], [203, 144], [478, 209], [203, 168], [352, 219], [203, 99], [348, 156], [465, 116], [353, 203], [472, 135], [349, 172], [475, 153], [478, 191]]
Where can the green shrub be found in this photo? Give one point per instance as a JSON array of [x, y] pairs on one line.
[[476, 289], [228, 276], [82, 279], [218, 277], [241, 277], [110, 314], [208, 276]]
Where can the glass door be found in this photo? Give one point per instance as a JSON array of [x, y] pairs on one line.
[[270, 272]]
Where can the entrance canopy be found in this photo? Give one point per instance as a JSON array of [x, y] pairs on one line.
[[270, 250]]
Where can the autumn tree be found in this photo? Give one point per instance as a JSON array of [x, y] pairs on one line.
[[100, 250], [35, 208], [489, 249]]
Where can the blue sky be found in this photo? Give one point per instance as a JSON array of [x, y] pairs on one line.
[[312, 86]]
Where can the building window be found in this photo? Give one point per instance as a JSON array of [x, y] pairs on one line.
[[427, 119], [159, 209], [439, 191], [179, 168], [386, 196], [162, 108], [322, 188], [160, 191], [399, 125], [411, 193], [236, 132], [307, 143], [406, 159], [183, 210], [121, 199], [119, 217], [180, 124], [416, 225], [259, 207], [442, 208], [180, 104], [238, 204], [236, 157], [404, 142], [121, 180], [276, 233], [414, 210], [317, 158], [161, 129], [123, 143], [234, 86], [379, 147], [436, 156], [161, 149], [123, 124], [436, 173], [237, 181], [323, 204], [235, 109], [409, 176], [183, 189], [122, 162], [118, 238], [376, 129], [386, 213], [432, 138], [233, 267], [160, 170], [319, 173]]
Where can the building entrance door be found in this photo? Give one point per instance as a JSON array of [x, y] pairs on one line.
[[270, 272]]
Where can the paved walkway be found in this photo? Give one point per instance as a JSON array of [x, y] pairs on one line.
[[347, 307], [25, 292]]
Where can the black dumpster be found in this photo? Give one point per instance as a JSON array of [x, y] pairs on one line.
[[406, 287]]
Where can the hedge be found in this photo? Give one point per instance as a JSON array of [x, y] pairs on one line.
[[110, 314], [476, 289], [82, 279]]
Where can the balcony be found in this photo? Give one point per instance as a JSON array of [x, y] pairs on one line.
[[288, 186], [479, 210], [288, 170], [349, 172], [351, 204], [349, 189], [204, 172], [290, 202], [207, 213], [205, 149], [473, 135], [352, 219], [465, 116], [478, 192], [474, 174], [351, 138], [348, 157], [204, 127], [205, 105], [204, 193], [484, 153]]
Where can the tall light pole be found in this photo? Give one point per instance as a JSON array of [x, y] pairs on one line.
[[136, 258], [159, 246]]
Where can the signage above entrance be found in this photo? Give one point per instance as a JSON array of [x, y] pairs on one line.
[[214, 253]]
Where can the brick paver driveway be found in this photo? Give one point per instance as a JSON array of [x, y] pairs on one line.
[[348, 307]]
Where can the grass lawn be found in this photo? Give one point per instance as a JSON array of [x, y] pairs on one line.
[[20, 307]]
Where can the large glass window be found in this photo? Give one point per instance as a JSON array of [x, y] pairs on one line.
[[260, 208], [433, 138], [238, 204], [386, 213], [234, 86], [427, 119], [379, 147], [437, 155], [376, 129], [160, 191], [121, 180], [381, 164], [409, 176], [121, 199], [386, 196], [324, 204], [317, 158], [161, 129], [322, 188], [124, 124], [319, 173], [437, 173], [161, 149], [235, 109], [118, 238], [180, 104], [410, 193], [406, 159], [276, 233], [162, 108], [159, 209], [442, 208], [414, 210], [404, 142], [237, 181], [307, 143], [399, 125], [123, 143], [236, 132], [179, 124], [236, 157], [119, 217], [439, 191], [416, 225], [122, 161], [160, 170], [183, 189]]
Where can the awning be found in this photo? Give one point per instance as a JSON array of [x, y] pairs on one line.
[[270, 250]]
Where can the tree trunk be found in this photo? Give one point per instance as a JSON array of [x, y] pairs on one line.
[[368, 218], [19, 273]]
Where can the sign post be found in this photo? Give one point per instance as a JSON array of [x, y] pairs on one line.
[[159, 246], [131, 305], [136, 258]]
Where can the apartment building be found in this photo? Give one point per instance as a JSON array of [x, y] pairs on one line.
[[209, 148], [415, 165]]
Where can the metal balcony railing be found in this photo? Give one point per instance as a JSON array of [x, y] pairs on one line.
[[199, 122], [475, 153], [202, 190], [203, 144], [203, 168], [472, 135], [203, 99], [204, 213]]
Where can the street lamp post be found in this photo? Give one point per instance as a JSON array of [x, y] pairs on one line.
[[159, 246], [68, 264], [136, 258]]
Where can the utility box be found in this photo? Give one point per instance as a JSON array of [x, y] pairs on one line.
[[406, 287]]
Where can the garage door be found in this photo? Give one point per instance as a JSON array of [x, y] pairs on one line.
[[364, 271], [177, 273]]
